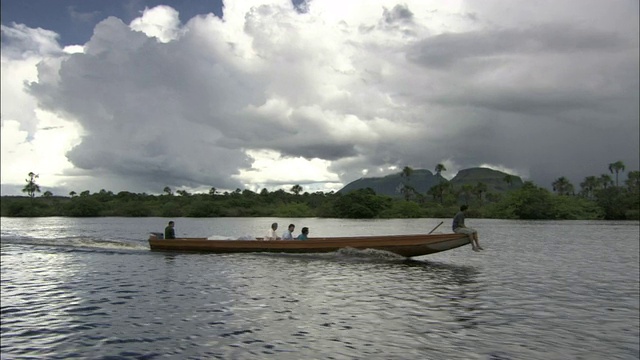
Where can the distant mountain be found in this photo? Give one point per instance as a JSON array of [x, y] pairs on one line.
[[422, 180], [390, 185], [494, 179]]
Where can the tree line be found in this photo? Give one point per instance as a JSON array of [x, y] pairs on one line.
[[599, 197]]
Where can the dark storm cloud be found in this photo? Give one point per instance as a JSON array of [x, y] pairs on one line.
[[398, 13], [447, 50], [545, 98]]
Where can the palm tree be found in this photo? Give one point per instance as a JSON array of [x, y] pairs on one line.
[[167, 190], [562, 186], [438, 191], [466, 190], [605, 181], [433, 191], [296, 189], [633, 181], [616, 167], [407, 190], [31, 188], [406, 172], [588, 186], [479, 189], [440, 168]]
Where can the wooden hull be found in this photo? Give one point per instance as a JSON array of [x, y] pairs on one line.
[[403, 245]]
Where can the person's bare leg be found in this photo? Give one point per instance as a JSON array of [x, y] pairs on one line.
[[475, 235], [474, 244]]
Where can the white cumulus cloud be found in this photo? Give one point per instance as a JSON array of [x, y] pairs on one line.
[[271, 96]]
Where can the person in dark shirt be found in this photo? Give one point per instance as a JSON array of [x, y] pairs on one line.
[[460, 228], [304, 235], [169, 231]]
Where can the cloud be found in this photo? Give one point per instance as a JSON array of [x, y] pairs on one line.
[[449, 49], [161, 22], [22, 42], [271, 95]]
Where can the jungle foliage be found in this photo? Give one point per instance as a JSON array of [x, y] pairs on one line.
[[599, 198]]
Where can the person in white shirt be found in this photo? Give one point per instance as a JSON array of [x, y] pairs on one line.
[[271, 233], [288, 234]]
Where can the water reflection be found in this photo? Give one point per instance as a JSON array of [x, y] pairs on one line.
[[459, 287], [329, 296], [461, 274], [170, 259]]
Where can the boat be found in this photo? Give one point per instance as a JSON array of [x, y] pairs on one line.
[[403, 245]]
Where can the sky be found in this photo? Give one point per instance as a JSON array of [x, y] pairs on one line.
[[140, 95]]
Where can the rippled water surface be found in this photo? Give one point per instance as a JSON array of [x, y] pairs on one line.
[[90, 288]]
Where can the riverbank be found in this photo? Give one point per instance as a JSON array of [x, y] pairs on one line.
[[527, 202]]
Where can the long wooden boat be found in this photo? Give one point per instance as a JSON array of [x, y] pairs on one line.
[[404, 245]]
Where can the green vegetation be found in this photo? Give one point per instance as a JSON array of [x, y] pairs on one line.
[[31, 188], [598, 198]]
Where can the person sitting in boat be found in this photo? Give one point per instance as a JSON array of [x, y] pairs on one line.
[[304, 235], [460, 228], [288, 234], [271, 233], [169, 231]]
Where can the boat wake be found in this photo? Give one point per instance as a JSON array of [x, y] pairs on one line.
[[345, 254], [369, 253], [79, 242]]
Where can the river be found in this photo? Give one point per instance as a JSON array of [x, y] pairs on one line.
[[91, 288]]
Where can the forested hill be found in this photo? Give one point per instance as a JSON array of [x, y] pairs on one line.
[[495, 180], [422, 180], [391, 185]]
